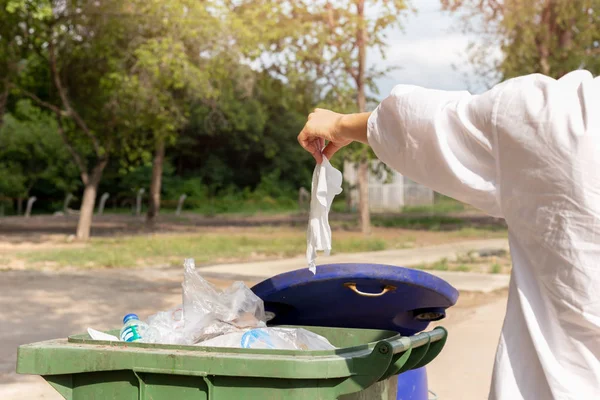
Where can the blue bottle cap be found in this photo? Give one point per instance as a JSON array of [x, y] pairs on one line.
[[130, 317]]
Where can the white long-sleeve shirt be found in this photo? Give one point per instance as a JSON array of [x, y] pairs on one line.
[[528, 151]]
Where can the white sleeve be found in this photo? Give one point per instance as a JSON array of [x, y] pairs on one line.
[[444, 140]]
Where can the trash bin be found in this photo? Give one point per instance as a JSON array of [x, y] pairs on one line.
[[82, 369], [371, 296]]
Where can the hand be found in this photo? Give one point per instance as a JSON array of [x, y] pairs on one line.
[[323, 125]]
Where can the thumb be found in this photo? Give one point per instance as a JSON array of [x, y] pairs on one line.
[[331, 149]]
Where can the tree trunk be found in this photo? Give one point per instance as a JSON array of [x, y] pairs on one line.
[[155, 184], [361, 101], [363, 205], [361, 42], [87, 211], [544, 37], [90, 192], [19, 205]]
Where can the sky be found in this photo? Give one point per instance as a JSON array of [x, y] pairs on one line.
[[431, 43]]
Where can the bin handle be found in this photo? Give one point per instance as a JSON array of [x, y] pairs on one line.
[[352, 286], [406, 342]]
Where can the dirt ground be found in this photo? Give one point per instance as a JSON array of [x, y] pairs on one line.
[[36, 228]]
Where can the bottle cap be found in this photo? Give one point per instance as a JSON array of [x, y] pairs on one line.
[[130, 317]]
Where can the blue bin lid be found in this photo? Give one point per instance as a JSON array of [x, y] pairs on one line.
[[369, 296]]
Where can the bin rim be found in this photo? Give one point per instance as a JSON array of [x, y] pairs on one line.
[[390, 355], [84, 338]]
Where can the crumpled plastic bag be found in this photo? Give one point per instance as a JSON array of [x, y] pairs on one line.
[[206, 312], [271, 338], [234, 317], [166, 327], [326, 184]]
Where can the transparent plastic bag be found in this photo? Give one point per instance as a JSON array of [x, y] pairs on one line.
[[271, 338], [166, 327], [207, 312]]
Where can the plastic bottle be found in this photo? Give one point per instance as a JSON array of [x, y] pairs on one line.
[[133, 329]]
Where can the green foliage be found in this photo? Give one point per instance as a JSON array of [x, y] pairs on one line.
[[272, 193], [164, 72], [248, 132], [324, 45], [566, 38], [549, 37], [12, 180], [124, 75], [32, 151], [175, 186]]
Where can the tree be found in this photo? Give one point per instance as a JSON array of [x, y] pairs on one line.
[[327, 42], [246, 133], [190, 48], [82, 45], [166, 72], [552, 37]]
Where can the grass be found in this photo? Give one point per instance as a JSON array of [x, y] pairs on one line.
[[172, 249], [431, 223], [485, 232], [243, 244], [456, 226], [496, 269], [441, 265], [471, 262], [463, 268], [442, 205]]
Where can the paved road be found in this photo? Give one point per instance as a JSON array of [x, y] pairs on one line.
[[463, 370]]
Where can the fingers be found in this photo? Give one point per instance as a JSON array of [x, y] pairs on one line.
[[312, 145], [331, 149], [317, 152]]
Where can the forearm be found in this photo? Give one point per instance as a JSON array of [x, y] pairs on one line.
[[354, 126], [441, 139]]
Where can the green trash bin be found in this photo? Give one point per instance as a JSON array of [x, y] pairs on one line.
[[363, 366]]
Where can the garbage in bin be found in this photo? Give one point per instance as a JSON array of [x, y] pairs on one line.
[[271, 338], [208, 316], [134, 330], [206, 312], [370, 296], [97, 335]]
